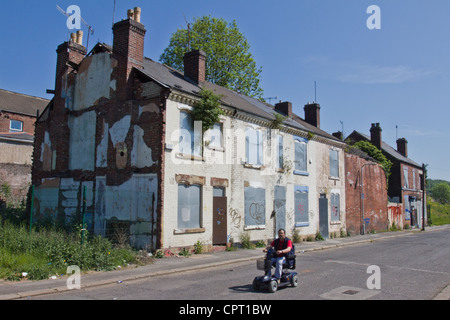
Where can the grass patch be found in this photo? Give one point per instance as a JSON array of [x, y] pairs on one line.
[[439, 213], [43, 253]]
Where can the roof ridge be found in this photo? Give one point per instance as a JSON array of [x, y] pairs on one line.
[[24, 95]]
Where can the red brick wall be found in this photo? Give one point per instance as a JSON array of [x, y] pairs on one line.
[[375, 195], [6, 117]]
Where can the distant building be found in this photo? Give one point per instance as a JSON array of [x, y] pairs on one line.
[[406, 180], [18, 113]]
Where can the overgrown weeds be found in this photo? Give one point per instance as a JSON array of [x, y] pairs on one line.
[[40, 254]]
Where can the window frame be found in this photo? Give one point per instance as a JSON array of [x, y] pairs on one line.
[[195, 147], [336, 164], [304, 143], [11, 129], [259, 134], [300, 222], [183, 228]]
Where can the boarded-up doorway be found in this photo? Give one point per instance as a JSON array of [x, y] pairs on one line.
[[323, 215], [219, 216]]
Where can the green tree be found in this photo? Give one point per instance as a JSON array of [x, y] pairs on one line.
[[207, 109], [441, 193], [229, 62]]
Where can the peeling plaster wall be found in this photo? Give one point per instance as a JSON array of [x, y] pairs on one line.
[[46, 152], [102, 148], [93, 81], [141, 155], [82, 141], [134, 201]]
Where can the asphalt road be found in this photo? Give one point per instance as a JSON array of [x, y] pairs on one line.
[[412, 267]]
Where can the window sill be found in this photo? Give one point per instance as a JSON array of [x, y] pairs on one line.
[[221, 149], [302, 224], [262, 227], [190, 157], [188, 231], [254, 166], [301, 173], [334, 178], [335, 223]]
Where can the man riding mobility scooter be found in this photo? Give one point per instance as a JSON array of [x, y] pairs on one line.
[[276, 255]]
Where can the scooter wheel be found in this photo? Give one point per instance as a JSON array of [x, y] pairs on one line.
[[294, 281], [255, 285], [273, 286]]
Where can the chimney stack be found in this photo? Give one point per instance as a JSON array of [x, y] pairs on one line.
[[402, 147], [128, 49], [375, 135], [195, 66], [312, 114], [338, 135], [285, 108]]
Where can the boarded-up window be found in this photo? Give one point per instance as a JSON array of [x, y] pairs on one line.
[[300, 155], [255, 206], [189, 206], [405, 178], [279, 160], [216, 136], [335, 207], [301, 206], [254, 146], [334, 163], [190, 139], [407, 206]]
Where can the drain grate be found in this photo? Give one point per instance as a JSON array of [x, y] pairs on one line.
[[350, 292]]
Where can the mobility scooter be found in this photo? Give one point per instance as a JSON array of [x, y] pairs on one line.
[[287, 278]]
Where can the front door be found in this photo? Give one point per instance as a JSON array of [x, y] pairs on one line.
[[323, 216], [219, 217]]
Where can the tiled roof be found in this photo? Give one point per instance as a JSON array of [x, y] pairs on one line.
[[389, 150], [174, 79], [21, 103]]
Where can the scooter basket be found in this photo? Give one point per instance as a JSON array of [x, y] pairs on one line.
[[260, 263]]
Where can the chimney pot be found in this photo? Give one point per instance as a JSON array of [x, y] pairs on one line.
[[80, 37], [137, 14], [73, 37], [130, 14]]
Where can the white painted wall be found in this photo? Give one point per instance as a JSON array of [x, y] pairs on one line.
[[229, 164]]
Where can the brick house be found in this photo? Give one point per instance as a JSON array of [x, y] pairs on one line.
[[18, 113], [407, 177], [119, 134]]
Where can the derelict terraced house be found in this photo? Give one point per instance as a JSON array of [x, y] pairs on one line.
[[120, 128]]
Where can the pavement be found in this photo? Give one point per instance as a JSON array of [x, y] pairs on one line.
[[167, 266]]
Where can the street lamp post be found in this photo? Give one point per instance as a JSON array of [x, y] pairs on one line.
[[362, 193]]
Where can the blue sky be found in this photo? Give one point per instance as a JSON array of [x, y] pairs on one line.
[[396, 76]]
